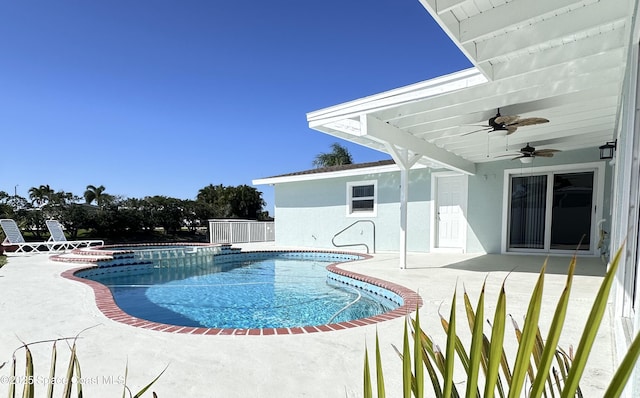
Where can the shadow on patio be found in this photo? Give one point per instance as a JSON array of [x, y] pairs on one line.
[[587, 266]]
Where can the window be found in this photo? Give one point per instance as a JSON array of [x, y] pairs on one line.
[[553, 209], [361, 198]]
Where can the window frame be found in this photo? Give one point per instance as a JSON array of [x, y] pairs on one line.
[[550, 171], [350, 199]]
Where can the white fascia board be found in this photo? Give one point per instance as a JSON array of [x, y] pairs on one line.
[[429, 88], [331, 174]]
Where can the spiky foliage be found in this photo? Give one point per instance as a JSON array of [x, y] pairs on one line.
[[541, 367], [72, 375]]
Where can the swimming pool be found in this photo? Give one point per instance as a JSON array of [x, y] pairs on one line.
[[182, 260], [243, 291]]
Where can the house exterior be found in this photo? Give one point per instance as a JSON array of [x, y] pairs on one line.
[[573, 62], [442, 212]]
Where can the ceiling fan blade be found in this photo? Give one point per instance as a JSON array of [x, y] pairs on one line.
[[506, 119], [476, 131], [521, 156], [543, 155], [530, 121], [546, 151], [511, 129]]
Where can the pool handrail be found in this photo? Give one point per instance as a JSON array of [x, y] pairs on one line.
[[356, 244]]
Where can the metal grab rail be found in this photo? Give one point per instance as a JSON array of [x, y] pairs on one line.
[[343, 309], [357, 244]]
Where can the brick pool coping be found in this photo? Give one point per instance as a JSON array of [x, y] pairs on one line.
[[107, 305]]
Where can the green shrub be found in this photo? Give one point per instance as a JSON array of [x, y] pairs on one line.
[[551, 371]]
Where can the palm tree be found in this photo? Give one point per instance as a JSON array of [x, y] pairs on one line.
[[40, 195], [94, 193], [339, 155]]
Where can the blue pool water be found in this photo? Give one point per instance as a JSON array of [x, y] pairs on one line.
[[266, 292]]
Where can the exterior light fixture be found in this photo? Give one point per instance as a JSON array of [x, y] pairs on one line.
[[526, 159], [607, 150]]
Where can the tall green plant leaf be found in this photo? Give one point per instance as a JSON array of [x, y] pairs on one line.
[[449, 358], [379, 372], [29, 382], [625, 369], [368, 392], [471, 319], [435, 382], [476, 348], [459, 347], [428, 358], [148, 386], [497, 340], [78, 377], [72, 361], [418, 369], [522, 363], [12, 381], [52, 370], [591, 329], [554, 334], [406, 365]]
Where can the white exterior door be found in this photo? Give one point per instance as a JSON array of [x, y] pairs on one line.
[[450, 221]]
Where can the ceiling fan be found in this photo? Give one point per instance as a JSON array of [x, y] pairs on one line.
[[508, 124], [527, 154]]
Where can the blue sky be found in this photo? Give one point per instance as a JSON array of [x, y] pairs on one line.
[[158, 97]]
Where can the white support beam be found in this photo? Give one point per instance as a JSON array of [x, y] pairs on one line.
[[605, 49], [402, 159], [552, 29], [509, 15], [443, 6], [380, 130]]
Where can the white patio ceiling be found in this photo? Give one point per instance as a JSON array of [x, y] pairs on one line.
[[563, 60]]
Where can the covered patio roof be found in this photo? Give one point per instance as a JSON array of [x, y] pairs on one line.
[[563, 60]]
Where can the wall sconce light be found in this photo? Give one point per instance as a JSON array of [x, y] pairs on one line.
[[607, 150]]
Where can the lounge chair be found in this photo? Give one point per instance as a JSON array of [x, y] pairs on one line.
[[58, 238], [13, 237]]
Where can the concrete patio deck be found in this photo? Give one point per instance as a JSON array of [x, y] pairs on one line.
[[36, 303]]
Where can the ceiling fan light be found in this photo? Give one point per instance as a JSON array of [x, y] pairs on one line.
[[526, 159]]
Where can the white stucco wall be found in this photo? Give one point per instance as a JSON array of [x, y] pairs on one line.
[[310, 213]]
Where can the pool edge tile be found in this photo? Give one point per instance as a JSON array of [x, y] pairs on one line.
[[411, 302]]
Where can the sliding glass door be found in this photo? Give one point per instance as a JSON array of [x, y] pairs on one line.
[[571, 211], [551, 211], [528, 212]]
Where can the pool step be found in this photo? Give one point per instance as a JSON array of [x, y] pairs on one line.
[[103, 257]]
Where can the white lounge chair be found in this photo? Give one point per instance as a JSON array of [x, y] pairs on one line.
[[58, 238], [13, 237]]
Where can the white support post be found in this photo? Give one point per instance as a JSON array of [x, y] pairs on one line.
[[405, 160], [404, 195]]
